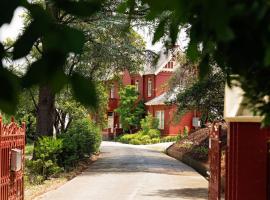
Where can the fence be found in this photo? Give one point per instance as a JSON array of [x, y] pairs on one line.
[[12, 143], [215, 163]]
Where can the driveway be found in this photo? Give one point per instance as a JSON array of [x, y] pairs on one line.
[[127, 172]]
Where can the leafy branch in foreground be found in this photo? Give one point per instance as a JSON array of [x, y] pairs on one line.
[[232, 34]]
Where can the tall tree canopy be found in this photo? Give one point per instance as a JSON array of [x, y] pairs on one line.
[[232, 34], [206, 96]]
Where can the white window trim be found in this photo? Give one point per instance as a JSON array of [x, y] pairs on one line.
[[149, 87], [112, 92], [160, 117], [137, 85]]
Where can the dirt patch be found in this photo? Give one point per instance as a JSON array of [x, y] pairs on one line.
[[33, 191]]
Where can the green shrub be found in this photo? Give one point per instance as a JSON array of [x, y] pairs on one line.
[[149, 122], [155, 140], [46, 160], [186, 131], [126, 138], [154, 133], [47, 148], [135, 141], [169, 139], [82, 139]]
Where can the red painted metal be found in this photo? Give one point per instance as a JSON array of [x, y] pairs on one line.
[[11, 183], [247, 163], [215, 163], [268, 171]]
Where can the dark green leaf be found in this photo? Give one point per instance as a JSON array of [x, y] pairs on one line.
[[225, 34], [9, 91], [174, 29], [84, 90], [204, 67], [159, 32], [81, 8], [267, 56], [25, 43], [7, 9], [192, 51], [122, 7], [2, 51], [46, 70], [65, 39], [58, 80]]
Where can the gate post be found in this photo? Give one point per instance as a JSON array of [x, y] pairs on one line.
[[214, 190], [268, 170]]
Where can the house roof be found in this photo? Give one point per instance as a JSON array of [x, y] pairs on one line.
[[163, 58], [161, 99]]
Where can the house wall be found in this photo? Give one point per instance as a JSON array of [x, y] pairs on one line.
[[161, 82], [172, 127], [126, 78]]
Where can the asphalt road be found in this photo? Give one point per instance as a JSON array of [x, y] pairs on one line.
[[127, 172]]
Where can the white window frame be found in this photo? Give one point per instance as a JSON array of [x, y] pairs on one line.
[[149, 87], [137, 85], [112, 92], [160, 117]]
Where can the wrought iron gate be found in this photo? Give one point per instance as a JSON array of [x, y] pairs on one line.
[[12, 143]]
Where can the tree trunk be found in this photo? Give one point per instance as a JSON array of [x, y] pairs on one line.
[[46, 111]]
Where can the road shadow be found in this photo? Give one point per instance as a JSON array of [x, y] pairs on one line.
[[195, 193]]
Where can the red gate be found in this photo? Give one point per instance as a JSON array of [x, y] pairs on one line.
[[215, 163], [12, 143], [268, 171]]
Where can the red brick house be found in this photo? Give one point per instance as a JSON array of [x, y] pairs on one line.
[[152, 85]]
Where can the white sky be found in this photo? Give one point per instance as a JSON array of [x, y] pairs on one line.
[[13, 29]]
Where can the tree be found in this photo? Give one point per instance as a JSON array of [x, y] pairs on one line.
[[223, 32], [232, 34], [130, 110], [205, 96], [104, 53]]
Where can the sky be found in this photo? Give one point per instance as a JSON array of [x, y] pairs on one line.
[[13, 29]]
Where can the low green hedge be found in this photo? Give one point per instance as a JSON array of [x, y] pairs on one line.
[[141, 138]]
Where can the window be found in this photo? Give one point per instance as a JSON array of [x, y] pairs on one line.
[[160, 117], [149, 88], [112, 92], [170, 65], [137, 85]]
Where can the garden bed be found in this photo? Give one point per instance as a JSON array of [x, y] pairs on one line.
[[193, 151]]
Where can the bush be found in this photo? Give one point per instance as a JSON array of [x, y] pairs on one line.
[[82, 139], [149, 122], [126, 138], [135, 141], [155, 140], [186, 131], [169, 139], [46, 160], [154, 133]]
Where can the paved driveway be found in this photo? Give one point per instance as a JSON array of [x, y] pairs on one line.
[[127, 172]]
